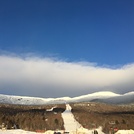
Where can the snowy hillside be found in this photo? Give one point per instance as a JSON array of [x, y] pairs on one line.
[[107, 97], [122, 99]]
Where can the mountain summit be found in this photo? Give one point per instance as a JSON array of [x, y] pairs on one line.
[[105, 97]]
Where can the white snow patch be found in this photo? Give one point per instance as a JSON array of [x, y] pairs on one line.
[[125, 132], [51, 109], [17, 131]]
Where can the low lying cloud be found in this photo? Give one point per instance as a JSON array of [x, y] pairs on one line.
[[47, 77]]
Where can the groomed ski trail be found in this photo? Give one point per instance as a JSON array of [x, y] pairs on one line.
[[70, 124]]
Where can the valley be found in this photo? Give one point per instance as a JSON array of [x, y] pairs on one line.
[[91, 115]]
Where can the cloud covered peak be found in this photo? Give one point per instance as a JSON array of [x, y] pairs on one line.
[[49, 77]]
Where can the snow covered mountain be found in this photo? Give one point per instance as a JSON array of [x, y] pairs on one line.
[[106, 97]]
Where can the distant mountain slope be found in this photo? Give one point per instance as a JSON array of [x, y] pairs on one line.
[[106, 97], [123, 99]]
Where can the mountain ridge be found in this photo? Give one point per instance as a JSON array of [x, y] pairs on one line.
[[104, 96]]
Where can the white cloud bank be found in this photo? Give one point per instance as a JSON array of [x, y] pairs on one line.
[[45, 77]]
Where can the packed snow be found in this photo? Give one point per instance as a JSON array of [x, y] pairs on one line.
[[70, 124]]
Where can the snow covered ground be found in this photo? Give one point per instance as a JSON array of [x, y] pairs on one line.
[[51, 132], [70, 124], [125, 132], [17, 131]]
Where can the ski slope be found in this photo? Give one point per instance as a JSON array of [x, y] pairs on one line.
[[70, 124]]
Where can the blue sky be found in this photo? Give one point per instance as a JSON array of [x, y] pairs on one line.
[[94, 31], [89, 33]]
